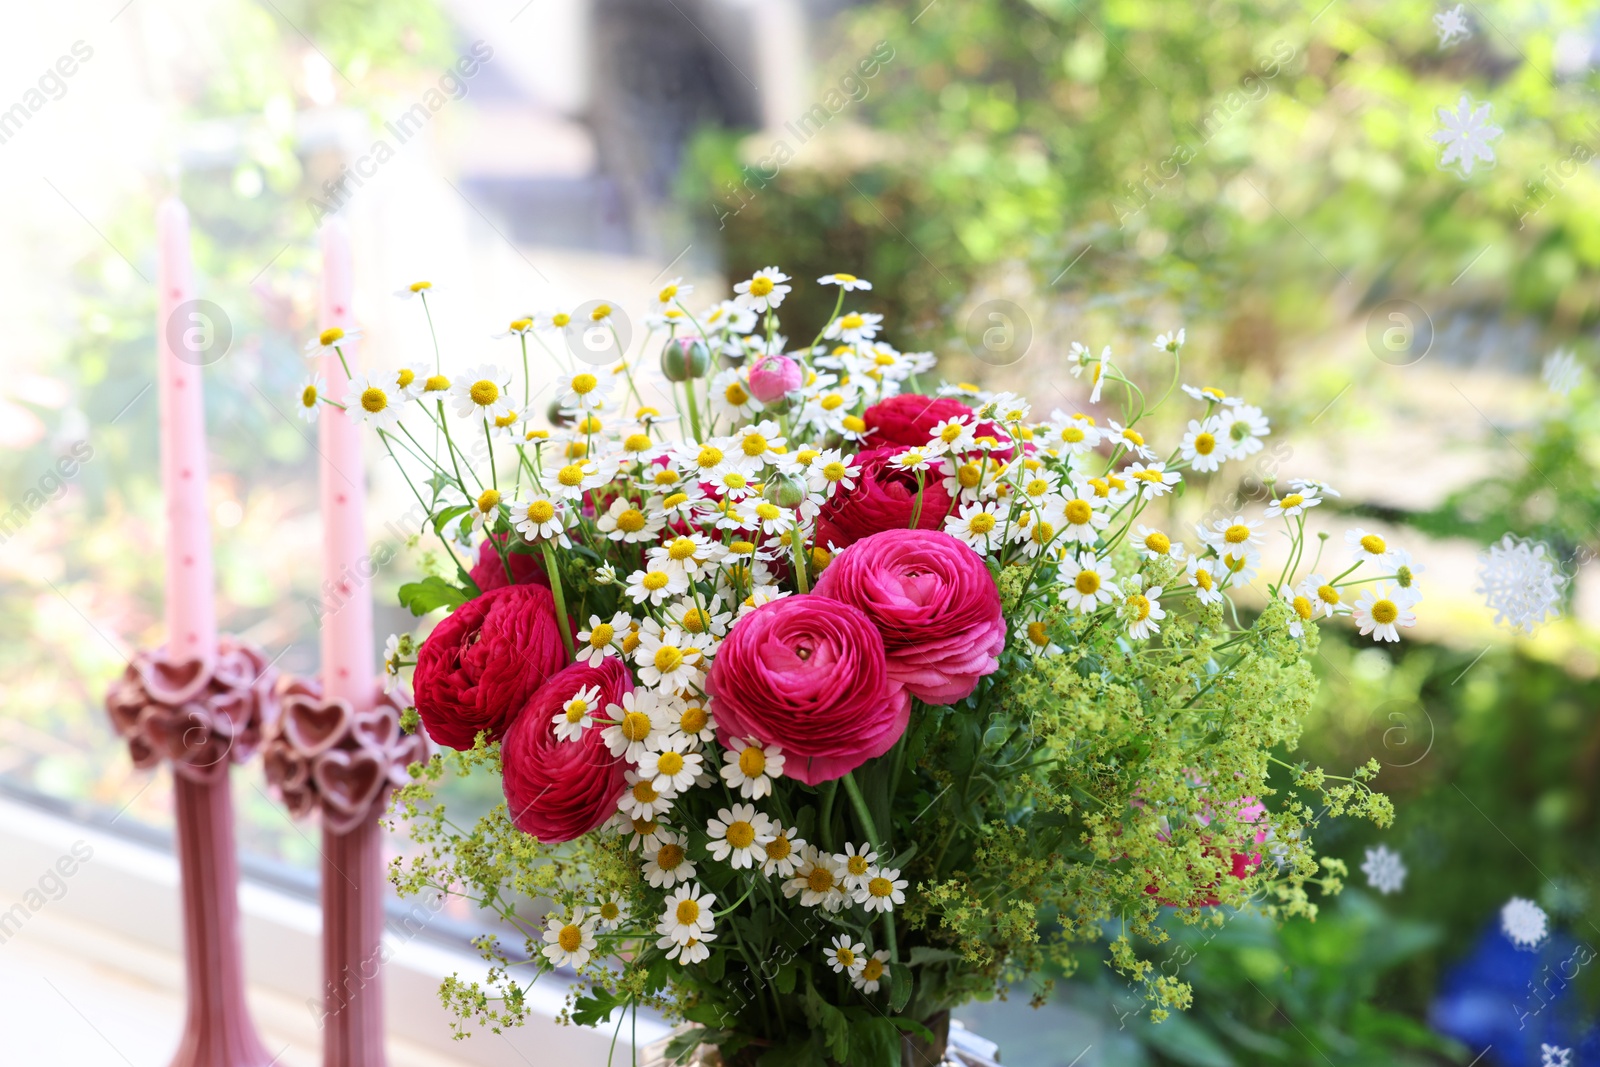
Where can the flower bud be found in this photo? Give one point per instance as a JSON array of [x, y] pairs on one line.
[[557, 415], [684, 358], [774, 377], [785, 490]]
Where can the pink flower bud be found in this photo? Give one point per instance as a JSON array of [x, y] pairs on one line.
[[774, 377]]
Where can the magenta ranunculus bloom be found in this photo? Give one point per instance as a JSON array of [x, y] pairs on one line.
[[484, 660], [808, 673], [490, 573], [560, 790], [774, 377], [933, 600], [885, 498]]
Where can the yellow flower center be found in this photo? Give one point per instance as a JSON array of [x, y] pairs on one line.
[[644, 792], [589, 424], [668, 857], [1205, 443], [669, 763], [1203, 580], [760, 285], [636, 442], [674, 500], [693, 719], [1079, 512], [502, 421], [1087, 583], [880, 887], [577, 449], [1237, 534], [417, 287], [666, 295], [1140, 606], [601, 635], [708, 457], [741, 834], [1292, 500], [981, 523], [767, 511], [405, 376], [697, 620], [541, 511], [330, 336], [1158, 543], [735, 394], [735, 480], [560, 319], [631, 642], [834, 471], [518, 325], [1133, 436], [571, 475], [1038, 634], [856, 865], [600, 313], [852, 321], [610, 912], [667, 659], [631, 521], [488, 500], [644, 827], [374, 400], [308, 396], [584, 384], [688, 912], [846, 958], [754, 445], [1043, 533], [1327, 594], [779, 848], [752, 762], [635, 725], [570, 938], [854, 423], [1303, 608], [1072, 435], [665, 476], [820, 880], [872, 970], [1384, 612], [1374, 544], [576, 710], [681, 548], [654, 580], [484, 393], [844, 277], [820, 557], [435, 383]]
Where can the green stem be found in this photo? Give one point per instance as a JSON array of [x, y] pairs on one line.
[[859, 802], [560, 597]]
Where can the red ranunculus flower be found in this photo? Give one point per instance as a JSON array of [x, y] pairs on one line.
[[559, 790], [482, 663], [933, 600], [906, 420], [808, 673], [490, 573], [885, 497]]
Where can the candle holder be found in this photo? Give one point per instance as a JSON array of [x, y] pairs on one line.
[[341, 762], [202, 715]]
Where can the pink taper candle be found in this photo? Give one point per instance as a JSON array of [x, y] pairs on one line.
[[352, 862], [217, 1030], [191, 616]]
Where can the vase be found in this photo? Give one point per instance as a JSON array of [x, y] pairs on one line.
[[953, 1045]]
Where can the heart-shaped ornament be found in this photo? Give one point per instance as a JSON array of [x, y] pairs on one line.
[[314, 726], [377, 730], [172, 681], [348, 781]]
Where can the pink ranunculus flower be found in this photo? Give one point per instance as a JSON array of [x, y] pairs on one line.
[[933, 600], [808, 673], [774, 377]]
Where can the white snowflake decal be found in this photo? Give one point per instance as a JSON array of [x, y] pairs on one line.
[[1524, 922], [1383, 869], [1554, 1056], [1518, 579], [1561, 371], [1465, 135], [1452, 26]]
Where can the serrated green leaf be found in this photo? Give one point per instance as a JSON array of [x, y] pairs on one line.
[[430, 594], [928, 954]]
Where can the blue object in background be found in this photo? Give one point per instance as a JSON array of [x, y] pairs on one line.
[[1510, 1000]]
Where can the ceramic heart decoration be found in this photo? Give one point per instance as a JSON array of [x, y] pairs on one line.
[[377, 730], [314, 726], [348, 781], [171, 681]]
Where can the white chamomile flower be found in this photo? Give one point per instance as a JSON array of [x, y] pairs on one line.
[[847, 282], [1302, 609], [1087, 584], [642, 800], [854, 327], [583, 391], [1524, 922], [1126, 437], [394, 652], [855, 864], [1143, 613], [1242, 428], [757, 444], [1323, 596], [1384, 870], [372, 398], [764, 290], [1170, 342], [330, 340], [1237, 533], [1236, 565], [1313, 487], [1367, 547], [568, 942], [673, 291], [883, 889], [694, 722], [602, 638], [782, 853], [1291, 504], [1112, 490], [481, 392], [832, 471], [1153, 479], [518, 327], [731, 317], [1202, 574], [486, 509], [669, 862], [631, 724], [738, 834], [692, 555], [731, 401], [751, 766], [872, 972], [688, 913], [644, 835], [1382, 610], [1036, 635], [655, 586], [1200, 446], [845, 957], [1155, 544], [312, 391], [669, 659], [1211, 395], [611, 913], [415, 289], [980, 525], [669, 765], [817, 880], [690, 950], [1075, 435], [577, 714], [541, 519], [623, 520], [1079, 519]]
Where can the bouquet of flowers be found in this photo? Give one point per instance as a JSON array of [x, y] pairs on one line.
[[821, 703]]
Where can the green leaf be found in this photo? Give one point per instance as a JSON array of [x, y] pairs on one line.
[[805, 1054], [783, 981], [835, 1025], [429, 594], [927, 954], [593, 1008], [446, 514], [682, 1045], [875, 1042], [900, 984]]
